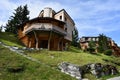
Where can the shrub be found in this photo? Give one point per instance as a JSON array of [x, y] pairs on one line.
[[91, 50], [108, 52]]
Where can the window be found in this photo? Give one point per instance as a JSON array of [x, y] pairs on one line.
[[93, 39], [89, 39], [60, 17], [66, 29]]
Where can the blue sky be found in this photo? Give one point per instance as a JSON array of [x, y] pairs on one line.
[[92, 17]]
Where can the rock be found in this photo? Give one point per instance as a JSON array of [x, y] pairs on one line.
[[24, 48], [110, 70], [97, 69], [71, 69], [100, 70], [85, 79], [16, 48], [85, 68], [30, 49]]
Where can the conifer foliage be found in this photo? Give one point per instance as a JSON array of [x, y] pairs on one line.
[[75, 38], [19, 17], [103, 43]]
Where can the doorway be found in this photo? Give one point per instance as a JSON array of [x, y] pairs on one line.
[[44, 44]]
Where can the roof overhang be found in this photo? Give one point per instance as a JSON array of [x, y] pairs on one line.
[[46, 30]]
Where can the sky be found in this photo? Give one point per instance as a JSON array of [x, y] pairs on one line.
[[92, 17]]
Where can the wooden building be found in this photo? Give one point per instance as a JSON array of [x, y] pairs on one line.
[[84, 43], [50, 30]]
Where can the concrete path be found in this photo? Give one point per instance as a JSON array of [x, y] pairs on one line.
[[115, 78]]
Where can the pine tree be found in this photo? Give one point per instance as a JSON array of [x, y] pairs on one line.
[[19, 17], [103, 43], [75, 38], [1, 28]]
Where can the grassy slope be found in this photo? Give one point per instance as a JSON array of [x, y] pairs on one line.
[[33, 71], [9, 39], [54, 57], [51, 58]]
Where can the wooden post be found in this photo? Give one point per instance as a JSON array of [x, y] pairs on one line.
[[29, 44], [36, 40], [59, 43], [62, 45], [49, 40]]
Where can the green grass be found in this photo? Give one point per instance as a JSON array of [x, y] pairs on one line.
[[9, 39], [32, 70], [53, 58], [35, 71]]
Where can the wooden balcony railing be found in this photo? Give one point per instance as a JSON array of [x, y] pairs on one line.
[[45, 28]]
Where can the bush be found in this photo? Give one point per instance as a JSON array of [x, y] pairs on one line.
[[91, 50], [108, 52]]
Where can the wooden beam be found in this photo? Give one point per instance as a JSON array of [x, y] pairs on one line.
[[59, 42], [37, 43], [29, 44], [49, 40]]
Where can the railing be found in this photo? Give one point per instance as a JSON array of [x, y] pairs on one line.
[[46, 27]]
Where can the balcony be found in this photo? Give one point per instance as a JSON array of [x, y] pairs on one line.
[[44, 27]]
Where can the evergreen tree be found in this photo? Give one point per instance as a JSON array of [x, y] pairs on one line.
[[103, 43], [92, 46], [1, 27], [19, 17], [75, 38]]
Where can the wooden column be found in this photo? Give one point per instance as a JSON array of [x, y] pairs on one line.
[[37, 43], [49, 40], [62, 45], [29, 44], [59, 43]]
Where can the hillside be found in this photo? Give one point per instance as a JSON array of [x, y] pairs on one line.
[[52, 58], [31, 70], [9, 39], [34, 71]]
